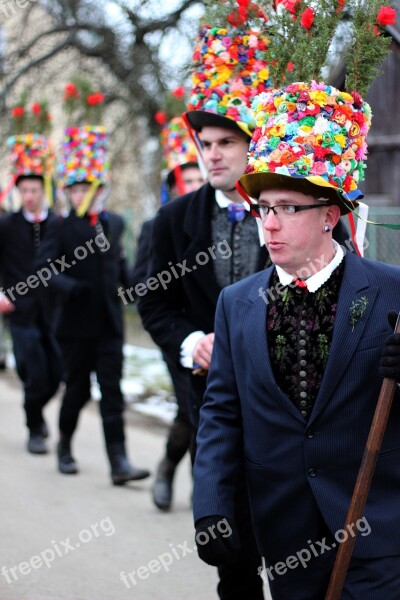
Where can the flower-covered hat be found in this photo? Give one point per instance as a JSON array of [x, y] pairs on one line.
[[84, 156], [230, 69], [31, 154], [177, 146], [310, 137]]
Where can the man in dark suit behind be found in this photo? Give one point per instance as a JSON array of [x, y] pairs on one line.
[[199, 246]]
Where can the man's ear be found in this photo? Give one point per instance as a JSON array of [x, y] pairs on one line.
[[332, 216]]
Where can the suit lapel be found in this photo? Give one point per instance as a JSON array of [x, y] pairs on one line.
[[197, 227], [355, 285], [253, 315]]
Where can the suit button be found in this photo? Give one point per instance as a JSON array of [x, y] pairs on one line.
[[309, 434], [312, 472]]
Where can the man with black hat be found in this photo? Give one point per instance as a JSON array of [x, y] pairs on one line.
[[209, 239]]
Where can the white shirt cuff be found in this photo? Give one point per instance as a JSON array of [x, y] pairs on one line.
[[187, 348]]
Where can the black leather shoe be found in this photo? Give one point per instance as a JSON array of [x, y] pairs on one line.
[[162, 489], [36, 443], [66, 463], [122, 470]]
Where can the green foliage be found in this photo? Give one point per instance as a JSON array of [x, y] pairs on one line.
[[30, 119], [82, 103], [301, 34], [368, 49]]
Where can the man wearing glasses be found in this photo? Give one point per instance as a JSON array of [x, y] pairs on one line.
[[299, 354]]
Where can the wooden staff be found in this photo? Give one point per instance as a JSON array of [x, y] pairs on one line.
[[363, 483]]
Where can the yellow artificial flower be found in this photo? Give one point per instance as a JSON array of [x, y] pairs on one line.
[[263, 74], [340, 139], [318, 97], [277, 130], [305, 128]]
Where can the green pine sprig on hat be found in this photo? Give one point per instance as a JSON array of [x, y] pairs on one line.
[[370, 45], [303, 33], [83, 104], [33, 119]]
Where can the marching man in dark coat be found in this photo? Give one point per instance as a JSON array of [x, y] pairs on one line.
[[89, 322], [23, 293]]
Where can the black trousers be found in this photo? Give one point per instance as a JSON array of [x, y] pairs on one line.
[[102, 355], [239, 580], [181, 433], [39, 366]]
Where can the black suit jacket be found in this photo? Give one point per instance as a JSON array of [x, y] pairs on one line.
[[93, 267], [18, 261], [182, 230]]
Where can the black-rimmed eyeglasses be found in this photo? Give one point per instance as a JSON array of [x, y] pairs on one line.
[[282, 210]]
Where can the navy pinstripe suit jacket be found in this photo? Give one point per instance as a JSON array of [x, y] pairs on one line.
[[298, 470]]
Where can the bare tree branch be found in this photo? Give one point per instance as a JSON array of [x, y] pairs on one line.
[[33, 64]]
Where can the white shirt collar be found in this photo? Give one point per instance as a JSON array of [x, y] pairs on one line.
[[31, 218], [223, 201], [318, 279]]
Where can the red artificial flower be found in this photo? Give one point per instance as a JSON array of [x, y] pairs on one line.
[[94, 99], [178, 92], [376, 31], [347, 183], [70, 91], [307, 18], [36, 109], [160, 117], [341, 5], [290, 66], [48, 117], [357, 99], [243, 3], [290, 5], [17, 112], [386, 16], [235, 19], [242, 11]]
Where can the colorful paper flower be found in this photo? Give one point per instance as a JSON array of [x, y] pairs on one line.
[[386, 16]]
